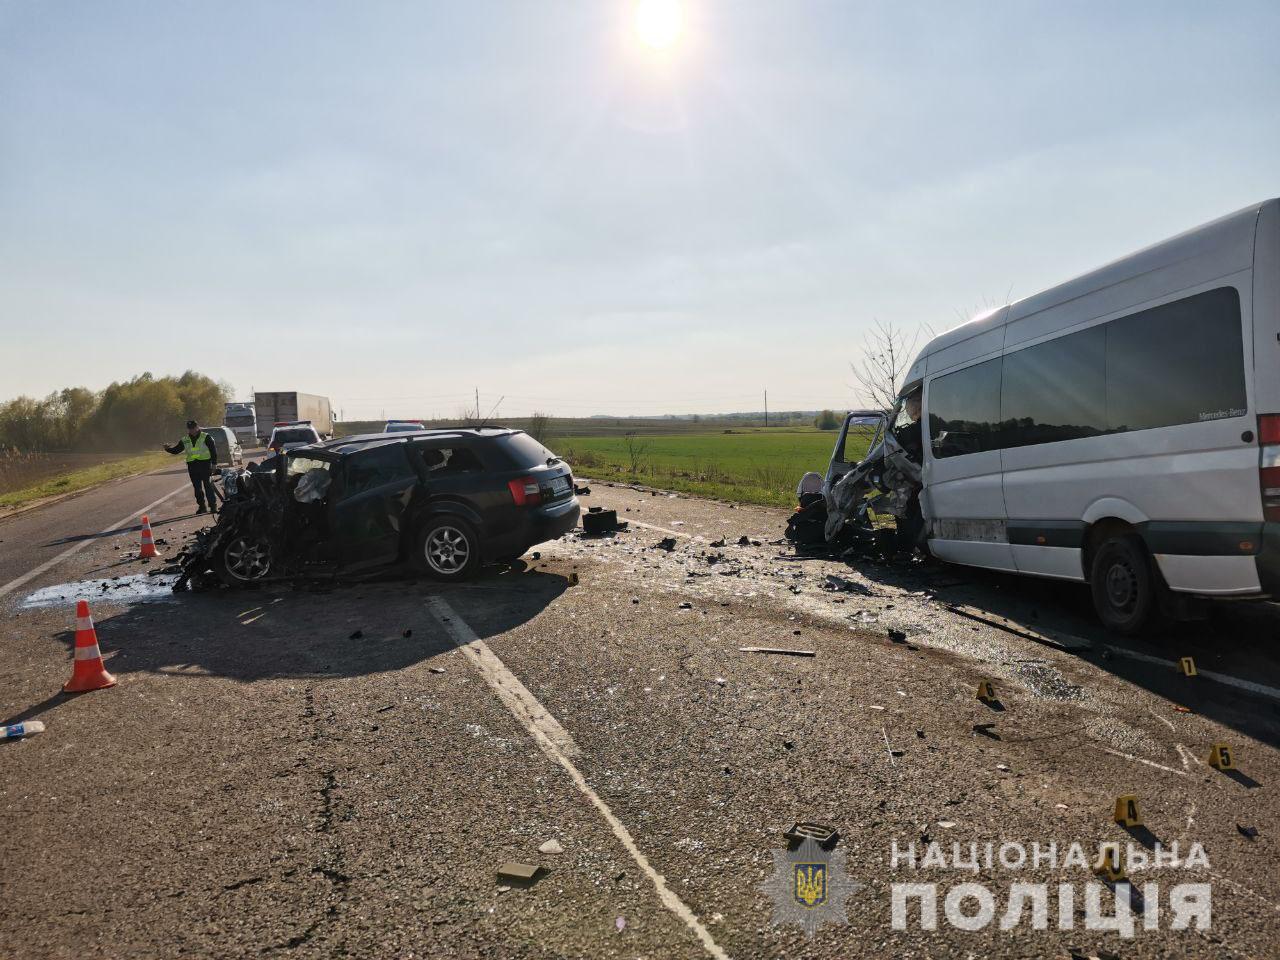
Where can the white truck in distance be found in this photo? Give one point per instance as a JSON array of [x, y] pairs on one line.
[[242, 420], [289, 407]]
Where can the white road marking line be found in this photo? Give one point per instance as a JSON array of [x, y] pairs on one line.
[[523, 704], [1187, 757], [551, 737], [1223, 678], [654, 526], [1149, 763], [77, 547]]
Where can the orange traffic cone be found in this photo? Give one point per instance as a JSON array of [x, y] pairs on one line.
[[148, 545], [88, 672]]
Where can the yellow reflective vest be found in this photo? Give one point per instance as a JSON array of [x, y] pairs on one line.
[[197, 449]]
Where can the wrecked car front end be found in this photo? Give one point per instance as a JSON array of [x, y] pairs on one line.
[[271, 513]]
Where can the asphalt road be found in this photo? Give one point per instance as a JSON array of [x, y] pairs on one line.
[[265, 781]]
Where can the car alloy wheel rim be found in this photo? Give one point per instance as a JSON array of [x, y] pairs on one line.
[[248, 559], [447, 550], [1122, 586]]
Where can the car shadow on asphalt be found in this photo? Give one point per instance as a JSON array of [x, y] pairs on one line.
[[1236, 639], [316, 632]]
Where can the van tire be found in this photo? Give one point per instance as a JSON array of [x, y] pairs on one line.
[[446, 548], [1125, 587]]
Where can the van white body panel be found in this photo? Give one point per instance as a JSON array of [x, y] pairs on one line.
[[1061, 563], [1210, 576], [974, 553]]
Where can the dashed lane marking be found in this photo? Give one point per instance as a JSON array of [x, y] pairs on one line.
[[556, 743], [77, 547]]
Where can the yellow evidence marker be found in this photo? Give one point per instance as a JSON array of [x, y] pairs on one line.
[[1127, 814], [1220, 757], [1188, 666], [986, 692]]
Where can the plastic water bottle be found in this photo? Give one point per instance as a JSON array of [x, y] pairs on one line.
[[15, 730]]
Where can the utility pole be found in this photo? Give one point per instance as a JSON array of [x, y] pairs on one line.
[[477, 404], [766, 406]]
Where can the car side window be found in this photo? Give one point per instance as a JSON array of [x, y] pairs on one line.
[[374, 468], [447, 461]]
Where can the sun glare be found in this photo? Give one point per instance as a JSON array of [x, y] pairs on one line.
[[659, 23]]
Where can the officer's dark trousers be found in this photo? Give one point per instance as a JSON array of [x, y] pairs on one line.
[[201, 473]]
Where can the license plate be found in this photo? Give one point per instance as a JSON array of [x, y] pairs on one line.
[[559, 485]]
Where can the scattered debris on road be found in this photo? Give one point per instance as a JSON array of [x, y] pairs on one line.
[[551, 848], [519, 874], [779, 650], [15, 731], [824, 836], [597, 521]]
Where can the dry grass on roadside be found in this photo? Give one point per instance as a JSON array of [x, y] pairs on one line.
[[25, 477]]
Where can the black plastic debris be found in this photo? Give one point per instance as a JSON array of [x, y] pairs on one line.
[[581, 491], [897, 636], [666, 543], [407, 634], [744, 541], [597, 521], [824, 836], [781, 651], [1249, 832], [718, 543], [357, 635], [686, 605], [844, 585]]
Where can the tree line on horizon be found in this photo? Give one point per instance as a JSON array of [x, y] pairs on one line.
[[127, 415]]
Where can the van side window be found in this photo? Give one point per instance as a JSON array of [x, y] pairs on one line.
[[1182, 362], [964, 410], [1055, 390]]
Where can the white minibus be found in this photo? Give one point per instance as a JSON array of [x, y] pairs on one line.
[[1121, 429]]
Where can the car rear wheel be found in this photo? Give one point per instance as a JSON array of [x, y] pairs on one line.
[[1125, 587], [447, 548], [244, 560]]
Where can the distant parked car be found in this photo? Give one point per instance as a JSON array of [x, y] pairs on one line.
[[402, 426], [445, 501], [230, 453], [290, 436]]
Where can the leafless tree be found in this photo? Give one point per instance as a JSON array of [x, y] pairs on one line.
[[887, 353], [636, 451], [540, 426]]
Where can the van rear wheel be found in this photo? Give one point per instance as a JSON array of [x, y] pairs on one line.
[[1124, 585]]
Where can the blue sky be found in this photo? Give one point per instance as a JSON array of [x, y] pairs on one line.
[[396, 203]]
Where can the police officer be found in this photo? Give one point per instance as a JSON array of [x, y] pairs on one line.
[[202, 454]]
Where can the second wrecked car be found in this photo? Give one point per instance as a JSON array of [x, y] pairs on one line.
[[444, 501]]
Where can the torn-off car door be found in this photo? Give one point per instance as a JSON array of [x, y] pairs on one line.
[[886, 481], [376, 487]]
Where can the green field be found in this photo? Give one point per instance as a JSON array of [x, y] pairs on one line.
[[754, 466]]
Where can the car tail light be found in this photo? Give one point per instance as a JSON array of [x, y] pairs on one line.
[[525, 491], [1269, 468]]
